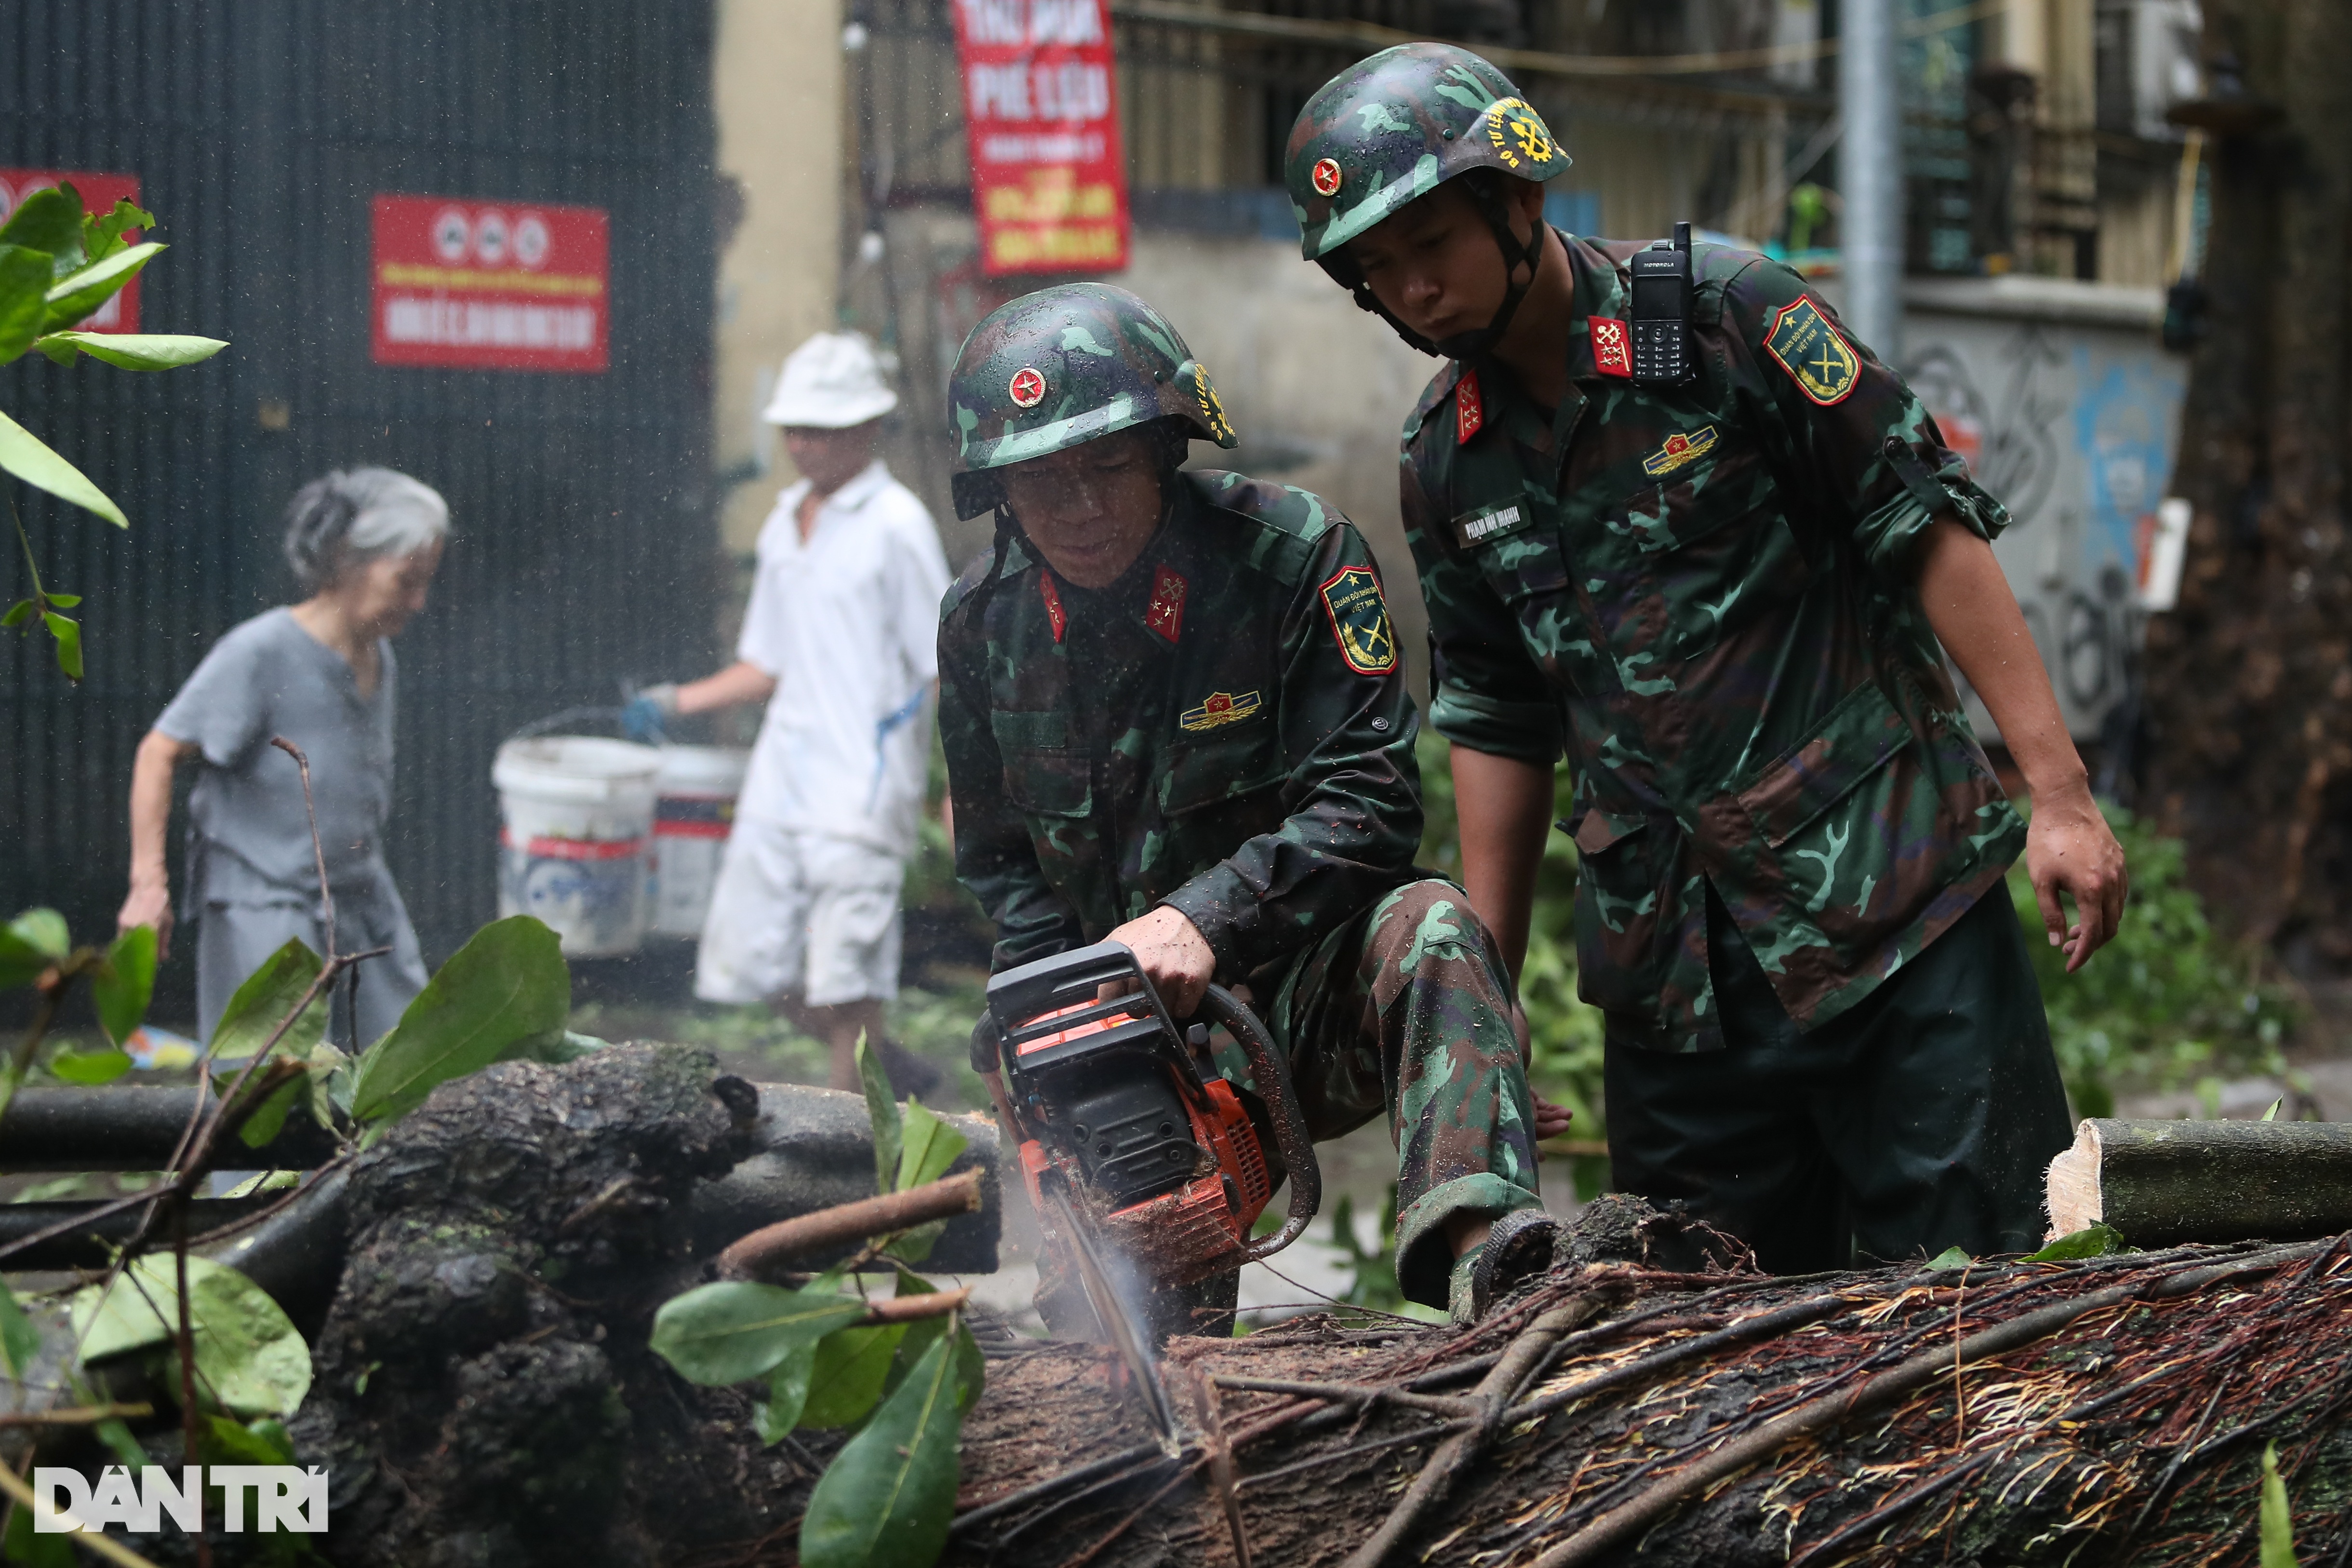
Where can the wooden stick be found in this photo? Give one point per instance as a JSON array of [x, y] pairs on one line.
[[772, 1245], [2161, 1183], [106, 1546], [906, 1309]]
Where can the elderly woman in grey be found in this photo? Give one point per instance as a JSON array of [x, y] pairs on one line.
[[364, 543]]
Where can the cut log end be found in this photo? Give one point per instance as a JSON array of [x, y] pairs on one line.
[[2070, 1190]]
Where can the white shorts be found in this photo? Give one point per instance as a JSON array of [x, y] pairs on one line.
[[801, 913]]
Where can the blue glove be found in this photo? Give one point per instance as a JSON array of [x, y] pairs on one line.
[[646, 717]]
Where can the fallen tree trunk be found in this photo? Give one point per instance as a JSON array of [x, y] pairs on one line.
[[2164, 1183], [484, 1392]]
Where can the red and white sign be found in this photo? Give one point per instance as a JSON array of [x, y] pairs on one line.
[[1041, 117], [98, 194], [475, 285]]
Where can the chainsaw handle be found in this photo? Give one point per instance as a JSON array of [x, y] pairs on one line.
[[1272, 1075]]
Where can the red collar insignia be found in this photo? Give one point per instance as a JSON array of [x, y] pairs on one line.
[[1469, 408], [1166, 614], [1053, 597], [1612, 351]]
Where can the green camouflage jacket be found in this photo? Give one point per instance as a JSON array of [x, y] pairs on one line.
[[1707, 595], [1226, 731]]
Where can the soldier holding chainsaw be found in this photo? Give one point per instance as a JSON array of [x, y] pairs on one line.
[[1175, 718], [1668, 515]]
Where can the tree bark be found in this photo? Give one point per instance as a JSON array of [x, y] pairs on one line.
[[2249, 682], [2162, 1184]]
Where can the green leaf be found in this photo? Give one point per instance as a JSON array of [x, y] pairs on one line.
[[24, 298], [2093, 1240], [2271, 1114], [931, 1146], [68, 641], [125, 983], [63, 601], [1951, 1257], [882, 1110], [22, 454], [2277, 1523], [136, 351], [853, 1365], [19, 1341], [259, 1443], [102, 232], [116, 1435], [788, 1386], [250, 1360], [264, 1122], [29, 944], [887, 1497], [49, 220], [510, 981], [737, 1328], [73, 298], [553, 1046], [89, 1068], [268, 995], [19, 613], [22, 1546], [57, 352]]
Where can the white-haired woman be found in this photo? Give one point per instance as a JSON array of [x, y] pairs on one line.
[[365, 543]]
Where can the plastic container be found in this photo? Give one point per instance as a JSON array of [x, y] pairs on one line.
[[575, 839], [693, 811]]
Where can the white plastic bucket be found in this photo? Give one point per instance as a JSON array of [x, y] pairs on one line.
[[575, 839], [693, 811]]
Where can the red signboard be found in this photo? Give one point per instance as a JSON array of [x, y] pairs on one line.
[[1041, 114], [98, 194], [476, 284]]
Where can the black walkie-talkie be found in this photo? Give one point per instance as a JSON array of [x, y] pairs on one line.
[[1661, 304]]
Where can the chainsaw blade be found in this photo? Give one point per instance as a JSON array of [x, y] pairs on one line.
[[1111, 1311]]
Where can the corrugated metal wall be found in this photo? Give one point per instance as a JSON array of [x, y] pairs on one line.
[[586, 547]]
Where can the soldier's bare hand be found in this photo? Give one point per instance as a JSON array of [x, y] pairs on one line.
[[2069, 848], [1551, 1120], [1175, 956]]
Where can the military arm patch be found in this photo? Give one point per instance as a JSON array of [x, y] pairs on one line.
[[1359, 620], [1804, 343], [1469, 408]]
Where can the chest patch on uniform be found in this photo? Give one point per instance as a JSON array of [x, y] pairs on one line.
[[1166, 614], [1220, 709], [1680, 450], [1469, 408], [1054, 615], [1359, 620], [1811, 351], [1473, 528], [1612, 349]]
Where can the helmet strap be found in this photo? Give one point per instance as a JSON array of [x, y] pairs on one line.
[[1517, 253]]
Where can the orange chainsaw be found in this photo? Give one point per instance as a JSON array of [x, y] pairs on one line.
[[1127, 1130]]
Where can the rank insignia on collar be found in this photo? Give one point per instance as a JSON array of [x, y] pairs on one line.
[[1359, 620], [1055, 617], [1612, 350], [1166, 614], [1220, 709], [1680, 449], [1469, 408], [1816, 358]]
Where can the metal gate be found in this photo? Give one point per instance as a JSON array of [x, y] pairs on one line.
[[585, 549]]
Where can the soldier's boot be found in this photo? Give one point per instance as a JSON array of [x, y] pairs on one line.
[[1517, 1250]]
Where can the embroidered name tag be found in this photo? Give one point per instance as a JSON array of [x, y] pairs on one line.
[[1477, 527]]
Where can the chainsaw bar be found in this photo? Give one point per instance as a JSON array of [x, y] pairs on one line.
[[1111, 1311]]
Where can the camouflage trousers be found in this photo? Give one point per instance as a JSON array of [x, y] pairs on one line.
[[1406, 1009]]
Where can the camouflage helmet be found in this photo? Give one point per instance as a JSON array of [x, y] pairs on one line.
[[1057, 368], [1395, 127]]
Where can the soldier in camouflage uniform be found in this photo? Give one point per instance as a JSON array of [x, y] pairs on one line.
[[1725, 598], [1175, 718]]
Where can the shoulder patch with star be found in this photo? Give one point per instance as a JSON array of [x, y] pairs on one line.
[[1359, 620], [1817, 359]]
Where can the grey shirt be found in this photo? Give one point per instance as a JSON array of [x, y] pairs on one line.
[[249, 842]]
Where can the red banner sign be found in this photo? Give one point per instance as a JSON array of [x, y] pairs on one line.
[[1040, 115], [98, 194], [476, 284]]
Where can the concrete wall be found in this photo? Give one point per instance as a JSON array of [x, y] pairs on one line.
[[778, 90]]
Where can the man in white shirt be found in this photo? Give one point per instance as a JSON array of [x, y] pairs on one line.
[[840, 641]]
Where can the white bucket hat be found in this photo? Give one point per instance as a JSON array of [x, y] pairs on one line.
[[832, 381]]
